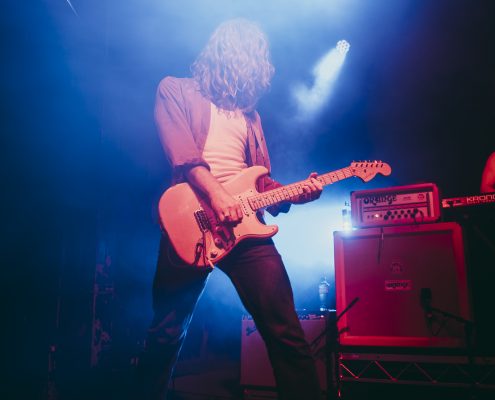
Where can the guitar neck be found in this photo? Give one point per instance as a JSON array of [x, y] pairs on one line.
[[285, 193]]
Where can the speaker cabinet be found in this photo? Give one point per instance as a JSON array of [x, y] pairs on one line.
[[398, 274], [256, 369]]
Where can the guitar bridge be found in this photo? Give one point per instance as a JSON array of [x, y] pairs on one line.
[[202, 220]]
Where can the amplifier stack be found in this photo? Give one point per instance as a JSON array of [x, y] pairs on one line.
[[406, 242], [401, 252]]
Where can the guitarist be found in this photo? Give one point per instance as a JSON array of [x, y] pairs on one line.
[[210, 132]]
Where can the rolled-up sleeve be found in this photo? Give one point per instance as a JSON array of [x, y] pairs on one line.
[[174, 128]]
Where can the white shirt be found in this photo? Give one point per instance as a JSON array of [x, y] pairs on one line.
[[225, 147]]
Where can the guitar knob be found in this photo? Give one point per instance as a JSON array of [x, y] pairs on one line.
[[213, 254], [218, 242]]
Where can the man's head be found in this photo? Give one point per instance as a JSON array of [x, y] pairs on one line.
[[234, 68]]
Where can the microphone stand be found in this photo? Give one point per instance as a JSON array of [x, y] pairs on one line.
[[332, 360], [429, 310], [425, 301], [468, 328]]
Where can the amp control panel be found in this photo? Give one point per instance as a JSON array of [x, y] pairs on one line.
[[398, 205]]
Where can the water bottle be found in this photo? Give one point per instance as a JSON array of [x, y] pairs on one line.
[[323, 291], [346, 217]]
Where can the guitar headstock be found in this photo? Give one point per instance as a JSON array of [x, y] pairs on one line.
[[367, 170]]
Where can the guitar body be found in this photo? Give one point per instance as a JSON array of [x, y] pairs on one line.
[[197, 236]]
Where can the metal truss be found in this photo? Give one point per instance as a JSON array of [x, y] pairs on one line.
[[454, 371]]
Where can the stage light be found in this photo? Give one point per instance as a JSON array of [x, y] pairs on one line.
[[311, 100], [343, 46]]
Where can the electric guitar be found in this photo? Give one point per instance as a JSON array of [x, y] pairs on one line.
[[201, 240]]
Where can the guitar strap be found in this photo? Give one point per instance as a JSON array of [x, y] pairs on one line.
[[257, 147], [257, 154]]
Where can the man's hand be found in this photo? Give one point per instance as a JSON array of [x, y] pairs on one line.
[[226, 207], [311, 190]]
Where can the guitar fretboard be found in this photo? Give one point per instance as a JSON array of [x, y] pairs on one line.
[[288, 192]]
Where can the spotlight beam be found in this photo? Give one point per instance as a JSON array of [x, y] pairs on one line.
[[310, 100], [72, 8]]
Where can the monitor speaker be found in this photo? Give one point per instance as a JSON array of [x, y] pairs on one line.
[[410, 284], [256, 369]]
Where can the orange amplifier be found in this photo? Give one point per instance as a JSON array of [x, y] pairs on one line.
[[398, 205]]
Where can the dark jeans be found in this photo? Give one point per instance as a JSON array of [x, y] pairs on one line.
[[259, 276]]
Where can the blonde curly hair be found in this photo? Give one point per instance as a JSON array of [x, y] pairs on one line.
[[234, 69]]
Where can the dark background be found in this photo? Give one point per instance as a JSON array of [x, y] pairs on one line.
[[82, 168]]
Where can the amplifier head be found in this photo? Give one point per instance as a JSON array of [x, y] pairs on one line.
[[398, 205]]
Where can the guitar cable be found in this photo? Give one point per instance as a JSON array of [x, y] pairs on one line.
[[202, 244]]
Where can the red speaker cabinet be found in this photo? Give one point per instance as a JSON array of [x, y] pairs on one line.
[[398, 273]]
